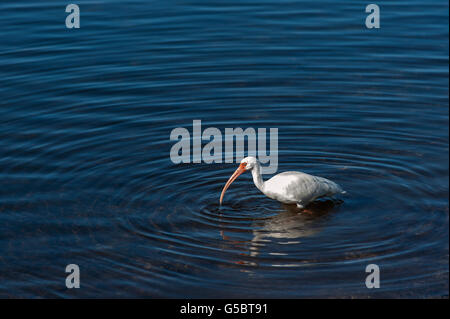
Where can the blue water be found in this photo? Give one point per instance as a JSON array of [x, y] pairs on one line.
[[85, 170]]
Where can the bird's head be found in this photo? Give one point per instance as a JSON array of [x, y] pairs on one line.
[[246, 164], [249, 162]]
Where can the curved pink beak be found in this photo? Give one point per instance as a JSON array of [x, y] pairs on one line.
[[239, 171]]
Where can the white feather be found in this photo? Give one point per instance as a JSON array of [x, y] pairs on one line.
[[292, 187]]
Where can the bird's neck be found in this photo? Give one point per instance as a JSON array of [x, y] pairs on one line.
[[257, 178]]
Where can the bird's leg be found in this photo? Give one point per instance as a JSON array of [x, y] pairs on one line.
[[303, 209]]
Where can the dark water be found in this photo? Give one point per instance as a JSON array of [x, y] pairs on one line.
[[86, 177]]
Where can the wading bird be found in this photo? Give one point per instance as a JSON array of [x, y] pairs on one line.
[[288, 187]]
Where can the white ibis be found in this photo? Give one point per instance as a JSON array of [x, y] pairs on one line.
[[287, 187]]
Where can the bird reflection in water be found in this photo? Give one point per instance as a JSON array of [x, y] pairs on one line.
[[286, 227]]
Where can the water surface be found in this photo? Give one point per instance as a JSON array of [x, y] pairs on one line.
[[86, 177]]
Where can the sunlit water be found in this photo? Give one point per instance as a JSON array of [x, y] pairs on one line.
[[86, 176]]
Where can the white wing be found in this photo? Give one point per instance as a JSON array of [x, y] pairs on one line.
[[298, 187]]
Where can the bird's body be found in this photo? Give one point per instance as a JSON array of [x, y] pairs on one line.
[[299, 188], [287, 187]]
